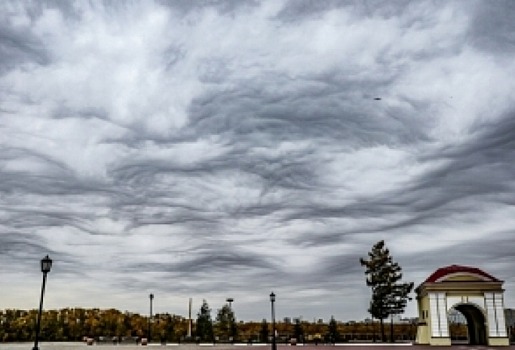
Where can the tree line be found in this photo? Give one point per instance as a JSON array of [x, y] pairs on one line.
[[383, 276], [74, 324]]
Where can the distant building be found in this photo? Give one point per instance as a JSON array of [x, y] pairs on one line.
[[396, 319], [409, 320]]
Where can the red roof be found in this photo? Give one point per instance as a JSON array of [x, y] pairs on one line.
[[452, 269]]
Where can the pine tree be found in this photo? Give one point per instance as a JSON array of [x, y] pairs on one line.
[[333, 333], [204, 326], [383, 276], [226, 322]]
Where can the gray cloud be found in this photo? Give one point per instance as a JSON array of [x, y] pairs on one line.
[[492, 30], [229, 148]]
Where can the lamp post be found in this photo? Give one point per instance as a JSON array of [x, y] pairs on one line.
[[151, 296], [272, 301], [46, 265], [231, 326]]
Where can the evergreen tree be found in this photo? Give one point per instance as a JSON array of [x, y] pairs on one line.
[[204, 327], [226, 322], [333, 333], [263, 333], [383, 276]]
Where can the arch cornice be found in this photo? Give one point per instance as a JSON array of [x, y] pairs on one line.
[[459, 287], [447, 272], [459, 278]]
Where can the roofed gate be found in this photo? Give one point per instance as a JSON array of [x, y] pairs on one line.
[[473, 292]]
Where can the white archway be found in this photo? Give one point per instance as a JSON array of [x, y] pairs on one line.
[[476, 294]]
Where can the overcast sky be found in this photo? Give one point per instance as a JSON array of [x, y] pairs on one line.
[[214, 149]]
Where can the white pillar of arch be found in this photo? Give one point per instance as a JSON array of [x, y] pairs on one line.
[[494, 305], [438, 315]]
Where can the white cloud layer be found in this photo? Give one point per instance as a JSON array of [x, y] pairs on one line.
[[216, 149]]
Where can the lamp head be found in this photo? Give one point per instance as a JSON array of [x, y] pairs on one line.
[[272, 297], [46, 264]]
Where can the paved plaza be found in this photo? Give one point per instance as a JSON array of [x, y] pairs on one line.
[[371, 346], [367, 346], [346, 346]]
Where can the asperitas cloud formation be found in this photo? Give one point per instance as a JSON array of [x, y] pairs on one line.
[[214, 149]]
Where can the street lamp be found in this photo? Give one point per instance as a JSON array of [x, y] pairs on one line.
[[230, 300], [272, 301], [46, 265], [151, 296]]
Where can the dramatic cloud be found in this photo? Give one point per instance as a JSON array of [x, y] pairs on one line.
[[222, 149]]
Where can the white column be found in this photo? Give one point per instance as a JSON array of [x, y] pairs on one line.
[[438, 310], [490, 313], [494, 305], [442, 311], [499, 313]]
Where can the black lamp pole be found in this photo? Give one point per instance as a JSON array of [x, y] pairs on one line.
[[46, 265], [151, 296], [272, 301]]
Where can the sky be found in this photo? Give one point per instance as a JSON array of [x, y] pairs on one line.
[[215, 149]]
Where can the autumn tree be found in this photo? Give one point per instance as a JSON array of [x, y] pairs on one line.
[[204, 326], [383, 276]]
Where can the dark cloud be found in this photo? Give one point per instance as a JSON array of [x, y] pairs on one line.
[[300, 10], [223, 7], [480, 167], [309, 9], [18, 46], [492, 29], [18, 246]]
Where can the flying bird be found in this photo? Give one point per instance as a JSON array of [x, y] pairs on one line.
[[377, 98]]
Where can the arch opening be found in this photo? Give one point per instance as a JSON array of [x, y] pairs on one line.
[[470, 318]]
